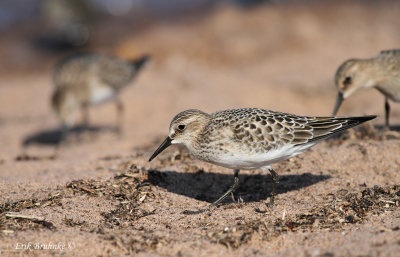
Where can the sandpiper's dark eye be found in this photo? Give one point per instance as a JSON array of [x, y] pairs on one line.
[[181, 127], [347, 80]]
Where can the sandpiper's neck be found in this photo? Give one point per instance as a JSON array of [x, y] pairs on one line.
[[373, 70]]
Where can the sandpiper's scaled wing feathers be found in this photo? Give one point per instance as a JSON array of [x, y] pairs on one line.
[[263, 129], [269, 129], [391, 52], [120, 72], [97, 68], [390, 60]]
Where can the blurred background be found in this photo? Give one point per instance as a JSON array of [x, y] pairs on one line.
[[211, 55]]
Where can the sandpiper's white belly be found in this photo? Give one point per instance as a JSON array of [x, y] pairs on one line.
[[253, 161], [391, 90], [395, 96], [101, 94]]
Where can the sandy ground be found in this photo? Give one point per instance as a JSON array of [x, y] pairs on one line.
[[100, 196]]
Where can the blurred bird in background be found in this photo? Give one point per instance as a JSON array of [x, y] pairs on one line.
[[381, 72], [67, 23], [87, 79]]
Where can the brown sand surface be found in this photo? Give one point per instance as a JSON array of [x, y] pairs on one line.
[[100, 196]]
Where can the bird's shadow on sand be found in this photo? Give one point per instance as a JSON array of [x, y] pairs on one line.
[[54, 136], [208, 186], [392, 127], [373, 131]]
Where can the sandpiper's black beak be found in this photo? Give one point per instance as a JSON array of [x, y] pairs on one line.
[[165, 144], [339, 101]]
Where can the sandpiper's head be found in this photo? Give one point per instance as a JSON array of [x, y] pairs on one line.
[[185, 128], [65, 105], [350, 77]]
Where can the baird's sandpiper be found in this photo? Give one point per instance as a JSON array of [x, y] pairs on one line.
[[87, 79], [381, 72], [250, 138]]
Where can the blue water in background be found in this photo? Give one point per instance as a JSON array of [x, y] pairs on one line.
[[15, 11]]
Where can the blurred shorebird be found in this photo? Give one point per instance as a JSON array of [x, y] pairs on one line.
[[381, 72], [88, 79], [250, 138], [67, 23]]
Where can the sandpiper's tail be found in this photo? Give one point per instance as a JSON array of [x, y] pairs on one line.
[[319, 128], [138, 63], [324, 127]]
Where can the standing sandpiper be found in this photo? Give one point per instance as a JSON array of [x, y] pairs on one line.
[[88, 79], [381, 72], [251, 138]]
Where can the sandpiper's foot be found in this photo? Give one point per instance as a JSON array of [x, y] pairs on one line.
[[210, 209], [268, 208]]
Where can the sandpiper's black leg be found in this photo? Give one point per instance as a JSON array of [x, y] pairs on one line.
[[85, 116], [275, 181], [120, 114], [64, 134], [231, 189], [63, 138], [387, 112]]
